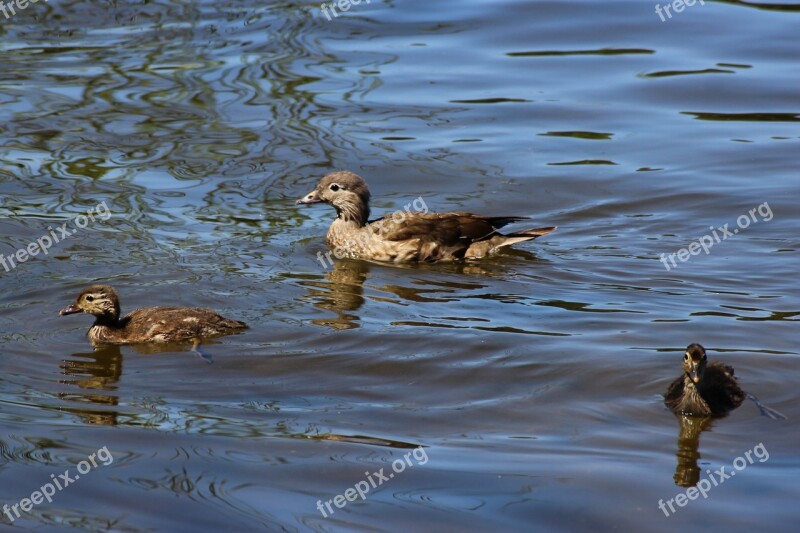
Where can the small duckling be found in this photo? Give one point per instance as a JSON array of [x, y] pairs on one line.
[[149, 324], [703, 389], [412, 237]]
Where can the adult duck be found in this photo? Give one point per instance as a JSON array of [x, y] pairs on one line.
[[406, 236]]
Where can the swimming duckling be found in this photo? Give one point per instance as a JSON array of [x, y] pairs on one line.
[[149, 324], [703, 389], [413, 236]]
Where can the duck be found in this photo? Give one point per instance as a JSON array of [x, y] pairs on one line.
[[703, 389], [148, 324], [406, 236]]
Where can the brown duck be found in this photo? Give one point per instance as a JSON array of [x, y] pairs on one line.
[[703, 389], [411, 237], [149, 324]]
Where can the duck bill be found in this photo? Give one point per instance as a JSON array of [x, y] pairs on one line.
[[311, 198], [694, 373], [70, 310]]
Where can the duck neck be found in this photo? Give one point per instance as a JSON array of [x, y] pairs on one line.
[[692, 392], [353, 212], [341, 232], [108, 320], [693, 389], [699, 386]]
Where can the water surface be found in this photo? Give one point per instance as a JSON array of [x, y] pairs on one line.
[[531, 380]]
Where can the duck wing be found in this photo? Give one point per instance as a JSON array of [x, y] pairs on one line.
[[440, 236], [446, 228], [722, 393], [175, 324]]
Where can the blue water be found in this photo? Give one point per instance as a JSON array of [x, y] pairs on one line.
[[532, 381]]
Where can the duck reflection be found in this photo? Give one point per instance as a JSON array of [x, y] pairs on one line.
[[341, 292], [687, 473], [98, 371], [96, 375]]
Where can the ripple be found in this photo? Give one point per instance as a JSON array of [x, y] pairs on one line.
[[745, 117], [585, 162], [600, 52], [670, 73], [491, 101], [590, 135]]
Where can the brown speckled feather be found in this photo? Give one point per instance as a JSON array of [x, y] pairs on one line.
[[165, 324], [447, 228], [448, 236]]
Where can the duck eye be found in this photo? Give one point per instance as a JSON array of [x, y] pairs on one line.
[[334, 187], [90, 298], [686, 357]]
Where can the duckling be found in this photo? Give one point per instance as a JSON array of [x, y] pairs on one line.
[[149, 324], [703, 389], [412, 237]]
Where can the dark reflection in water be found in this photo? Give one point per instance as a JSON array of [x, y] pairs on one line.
[[687, 472], [97, 374], [341, 292], [746, 117], [341, 289], [602, 52], [767, 6], [98, 371], [364, 439]]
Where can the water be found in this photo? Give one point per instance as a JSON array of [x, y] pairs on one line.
[[532, 380]]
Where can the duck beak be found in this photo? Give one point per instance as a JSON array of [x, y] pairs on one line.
[[311, 198], [70, 310], [694, 373]]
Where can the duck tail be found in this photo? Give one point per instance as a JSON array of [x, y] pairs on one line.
[[524, 235]]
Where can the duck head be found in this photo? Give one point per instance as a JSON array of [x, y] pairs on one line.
[[346, 191], [694, 362], [98, 300]]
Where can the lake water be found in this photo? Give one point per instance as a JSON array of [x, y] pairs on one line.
[[519, 393]]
